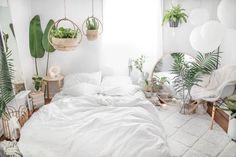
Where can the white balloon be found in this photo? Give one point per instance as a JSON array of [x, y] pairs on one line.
[[198, 16], [226, 12], [200, 44], [213, 31]]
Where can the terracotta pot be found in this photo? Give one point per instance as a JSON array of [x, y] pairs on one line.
[[65, 44], [92, 35], [232, 128]]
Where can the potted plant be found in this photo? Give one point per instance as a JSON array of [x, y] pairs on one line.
[[92, 26], [175, 16], [188, 74], [230, 105], [64, 39], [36, 48], [38, 83], [159, 82]]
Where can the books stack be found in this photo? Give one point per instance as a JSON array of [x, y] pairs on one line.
[[37, 99]]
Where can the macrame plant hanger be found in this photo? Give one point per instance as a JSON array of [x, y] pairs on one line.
[[64, 43], [92, 26]]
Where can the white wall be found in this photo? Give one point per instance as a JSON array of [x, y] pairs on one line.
[[5, 20], [20, 12], [131, 28], [178, 39], [86, 57]]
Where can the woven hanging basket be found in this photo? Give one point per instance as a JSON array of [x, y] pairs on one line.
[[65, 44], [92, 34]]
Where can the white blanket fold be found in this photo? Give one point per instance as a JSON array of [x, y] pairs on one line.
[[212, 86], [95, 126]]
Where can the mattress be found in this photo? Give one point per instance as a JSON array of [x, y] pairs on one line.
[[95, 126]]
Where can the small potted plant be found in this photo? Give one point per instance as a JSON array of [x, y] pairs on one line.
[[148, 88], [92, 28], [175, 16], [159, 82], [64, 39], [37, 83], [230, 105]]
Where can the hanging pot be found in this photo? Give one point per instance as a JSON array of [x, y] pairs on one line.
[[173, 23], [92, 35], [65, 44], [232, 128]]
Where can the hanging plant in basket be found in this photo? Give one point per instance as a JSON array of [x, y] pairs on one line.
[[175, 16], [92, 28], [64, 38]]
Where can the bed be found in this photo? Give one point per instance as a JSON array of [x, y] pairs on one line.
[[104, 124]]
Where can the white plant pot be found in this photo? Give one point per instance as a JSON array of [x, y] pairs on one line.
[[232, 128]]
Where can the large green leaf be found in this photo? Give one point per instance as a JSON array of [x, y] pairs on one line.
[[35, 38], [6, 75], [46, 45]]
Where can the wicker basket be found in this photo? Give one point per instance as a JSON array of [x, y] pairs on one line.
[[21, 114], [66, 44]]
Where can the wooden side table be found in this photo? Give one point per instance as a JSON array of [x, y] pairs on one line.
[[58, 81]]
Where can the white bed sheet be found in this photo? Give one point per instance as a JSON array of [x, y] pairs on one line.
[[95, 126]]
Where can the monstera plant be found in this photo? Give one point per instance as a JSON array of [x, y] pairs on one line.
[[36, 46], [46, 45]]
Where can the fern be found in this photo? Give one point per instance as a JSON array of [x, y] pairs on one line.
[[7, 73], [188, 74]]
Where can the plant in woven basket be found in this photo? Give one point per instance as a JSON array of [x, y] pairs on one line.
[[64, 39], [6, 75], [92, 26], [64, 33], [175, 16], [189, 74]]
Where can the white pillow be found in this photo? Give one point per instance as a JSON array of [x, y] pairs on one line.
[[81, 89], [116, 80], [74, 79], [119, 90]]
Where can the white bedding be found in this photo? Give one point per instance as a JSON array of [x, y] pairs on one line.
[[95, 126]]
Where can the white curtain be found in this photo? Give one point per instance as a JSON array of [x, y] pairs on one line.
[[131, 28]]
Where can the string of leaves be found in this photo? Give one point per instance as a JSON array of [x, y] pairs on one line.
[[7, 74]]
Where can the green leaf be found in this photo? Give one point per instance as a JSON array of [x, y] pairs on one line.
[[46, 45], [35, 38]]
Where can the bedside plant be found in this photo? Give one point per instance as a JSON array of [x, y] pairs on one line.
[[230, 105], [38, 83], [92, 26], [36, 46], [175, 16]]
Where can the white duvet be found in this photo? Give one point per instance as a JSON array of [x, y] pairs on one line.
[[95, 126]]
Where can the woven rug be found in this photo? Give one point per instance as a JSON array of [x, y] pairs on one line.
[[9, 149]]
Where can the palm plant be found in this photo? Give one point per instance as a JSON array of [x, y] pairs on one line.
[[7, 73], [176, 15], [189, 74]]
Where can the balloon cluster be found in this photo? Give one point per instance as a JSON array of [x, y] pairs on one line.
[[208, 35]]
